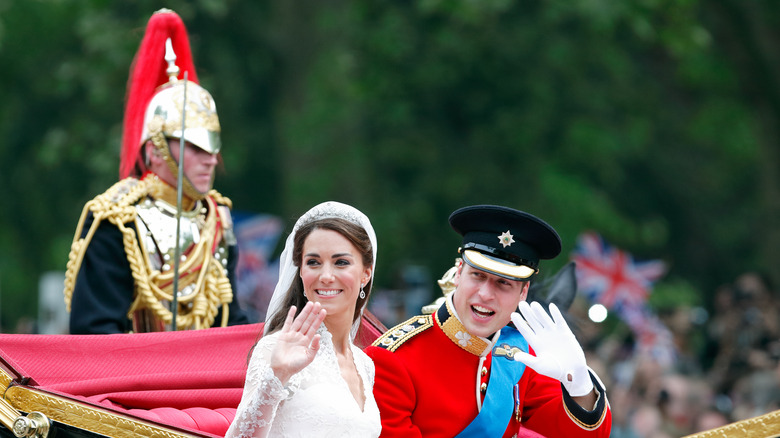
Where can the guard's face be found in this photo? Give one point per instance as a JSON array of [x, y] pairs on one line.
[[199, 165], [485, 301], [332, 271]]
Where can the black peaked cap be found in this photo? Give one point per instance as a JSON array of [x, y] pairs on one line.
[[505, 235]]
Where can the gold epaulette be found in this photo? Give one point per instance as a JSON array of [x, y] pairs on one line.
[[396, 336], [116, 205], [117, 202], [123, 193]]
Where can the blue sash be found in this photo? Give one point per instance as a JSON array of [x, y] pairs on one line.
[[499, 403]]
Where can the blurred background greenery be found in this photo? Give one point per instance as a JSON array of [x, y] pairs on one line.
[[653, 122]]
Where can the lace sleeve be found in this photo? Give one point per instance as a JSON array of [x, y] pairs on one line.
[[263, 392]]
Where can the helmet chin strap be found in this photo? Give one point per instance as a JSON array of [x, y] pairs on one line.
[[161, 146]]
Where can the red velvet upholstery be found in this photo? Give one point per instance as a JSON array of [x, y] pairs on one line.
[[189, 379]]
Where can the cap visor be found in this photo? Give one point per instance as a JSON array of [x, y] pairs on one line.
[[497, 266]]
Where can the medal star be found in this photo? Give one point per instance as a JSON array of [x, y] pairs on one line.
[[506, 238]]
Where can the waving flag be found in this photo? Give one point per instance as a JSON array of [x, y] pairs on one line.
[[610, 276], [653, 338]]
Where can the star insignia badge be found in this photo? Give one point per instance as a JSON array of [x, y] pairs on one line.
[[506, 238]]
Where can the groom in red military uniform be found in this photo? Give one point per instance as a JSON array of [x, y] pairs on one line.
[[465, 371]]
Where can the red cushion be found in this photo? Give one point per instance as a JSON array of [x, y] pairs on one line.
[[187, 379], [214, 421]]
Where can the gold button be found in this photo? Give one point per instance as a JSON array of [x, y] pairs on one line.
[[484, 371], [483, 387]]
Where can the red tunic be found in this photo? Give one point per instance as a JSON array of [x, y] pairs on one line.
[[427, 385]]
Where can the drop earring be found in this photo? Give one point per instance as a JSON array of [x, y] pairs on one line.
[[362, 292]]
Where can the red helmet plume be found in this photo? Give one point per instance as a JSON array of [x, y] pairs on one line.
[[147, 73]]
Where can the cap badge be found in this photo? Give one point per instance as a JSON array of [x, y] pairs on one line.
[[506, 239]]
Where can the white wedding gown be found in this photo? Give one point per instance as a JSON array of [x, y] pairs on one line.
[[315, 402]]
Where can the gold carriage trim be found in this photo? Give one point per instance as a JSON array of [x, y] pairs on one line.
[[764, 426], [8, 413], [396, 336], [93, 419]]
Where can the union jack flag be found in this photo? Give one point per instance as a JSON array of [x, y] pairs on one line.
[[653, 337], [612, 277]]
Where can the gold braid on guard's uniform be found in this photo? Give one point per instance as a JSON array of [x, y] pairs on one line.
[[152, 287]]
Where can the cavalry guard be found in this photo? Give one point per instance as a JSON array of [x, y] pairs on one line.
[[157, 251]]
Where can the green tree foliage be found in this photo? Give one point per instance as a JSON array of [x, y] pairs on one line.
[[652, 122]]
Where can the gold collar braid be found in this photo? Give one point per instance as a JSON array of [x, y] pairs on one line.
[[447, 319]]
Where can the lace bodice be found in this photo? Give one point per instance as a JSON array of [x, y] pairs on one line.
[[315, 402]]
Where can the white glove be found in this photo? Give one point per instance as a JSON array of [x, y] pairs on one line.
[[558, 354]]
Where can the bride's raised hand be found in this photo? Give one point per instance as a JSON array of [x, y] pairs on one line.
[[298, 341]]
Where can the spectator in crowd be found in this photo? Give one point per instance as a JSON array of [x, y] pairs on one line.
[[733, 377]]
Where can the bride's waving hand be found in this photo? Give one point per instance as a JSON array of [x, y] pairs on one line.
[[298, 341]]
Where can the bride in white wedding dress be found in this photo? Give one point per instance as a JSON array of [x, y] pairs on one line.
[[306, 377]]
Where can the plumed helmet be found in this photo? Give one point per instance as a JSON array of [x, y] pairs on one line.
[[164, 113], [155, 94]]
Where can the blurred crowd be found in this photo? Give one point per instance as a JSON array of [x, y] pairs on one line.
[[727, 366]]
